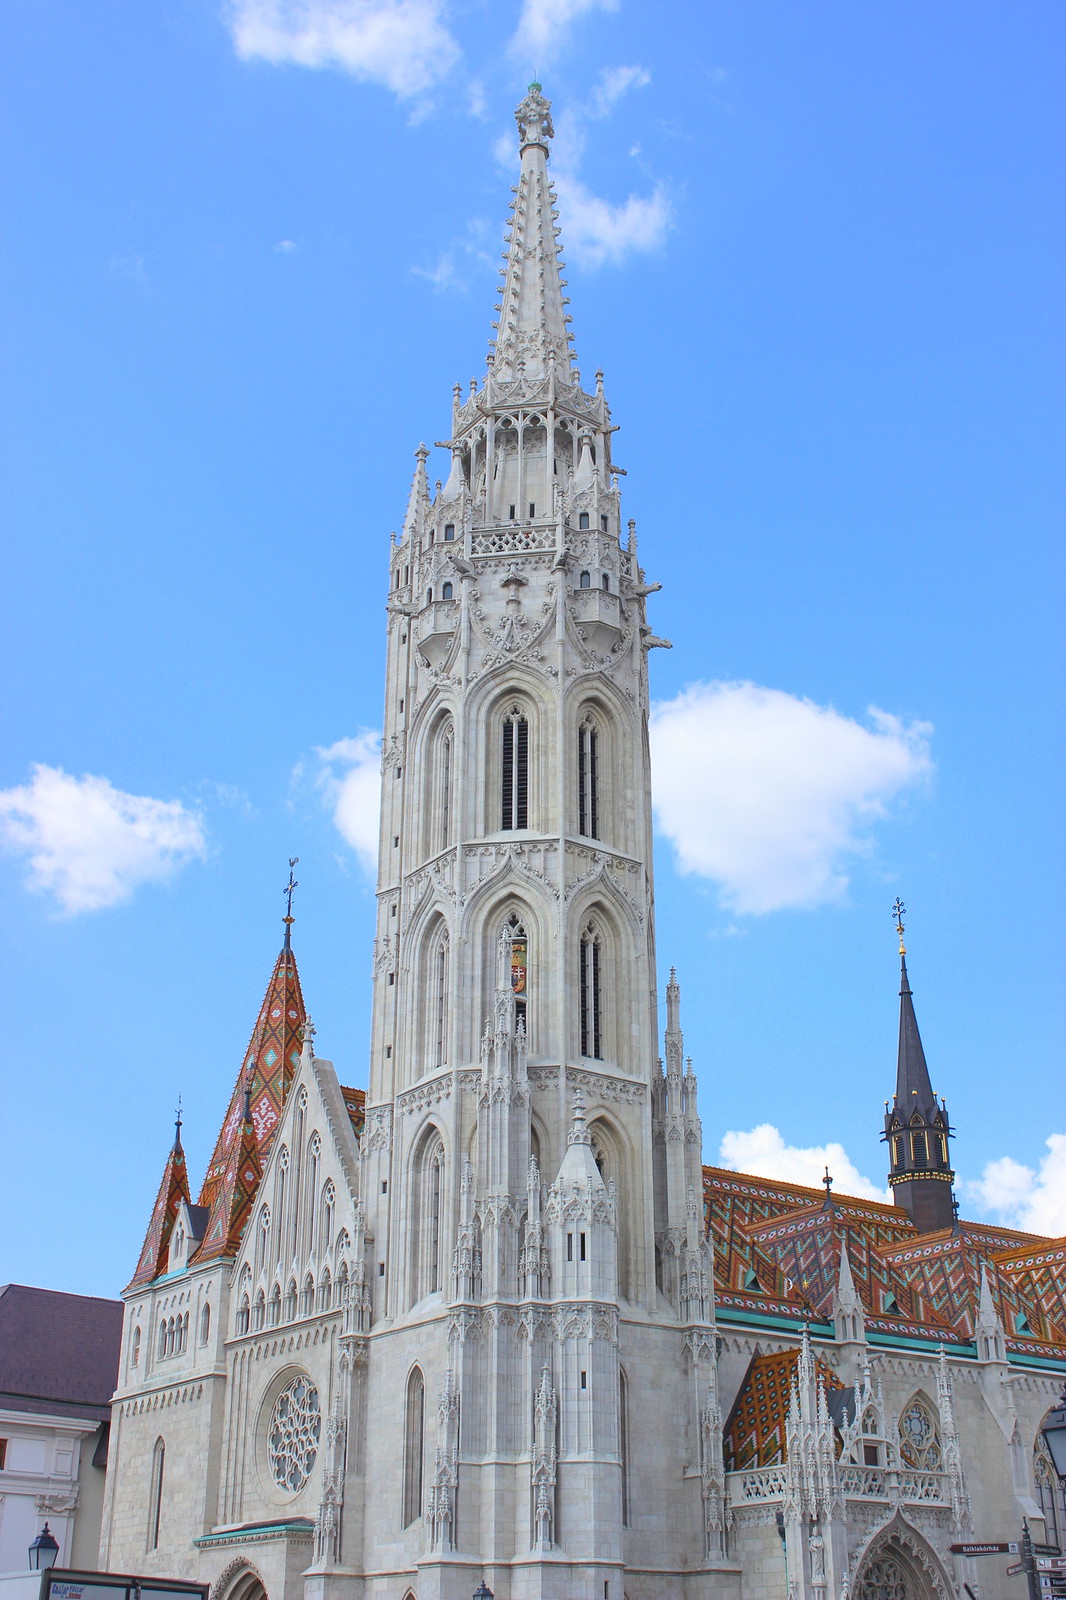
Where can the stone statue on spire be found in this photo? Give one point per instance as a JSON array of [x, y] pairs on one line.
[[534, 118]]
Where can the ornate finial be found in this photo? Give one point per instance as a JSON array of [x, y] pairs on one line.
[[307, 1033], [899, 911], [248, 1096], [954, 1212], [827, 1184], [177, 1125], [579, 1133], [534, 118], [288, 891]]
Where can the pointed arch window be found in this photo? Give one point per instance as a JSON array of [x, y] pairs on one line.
[[155, 1494], [135, 1348], [290, 1302], [329, 1206], [314, 1163], [244, 1315], [325, 1291], [585, 581], [259, 1315], [430, 1207], [444, 786], [262, 1243], [414, 1446], [519, 970], [439, 1051], [919, 1438], [275, 1306], [447, 592], [514, 786], [1051, 1493], [307, 1298], [205, 1323], [588, 779], [590, 977]]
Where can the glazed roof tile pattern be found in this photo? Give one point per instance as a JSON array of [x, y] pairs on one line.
[[355, 1105], [172, 1191], [777, 1253], [270, 1063], [754, 1434]]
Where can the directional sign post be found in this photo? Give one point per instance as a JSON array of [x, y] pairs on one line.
[[1044, 1567]]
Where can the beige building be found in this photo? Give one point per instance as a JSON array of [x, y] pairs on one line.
[[58, 1364], [494, 1320]]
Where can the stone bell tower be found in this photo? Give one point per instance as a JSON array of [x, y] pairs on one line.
[[532, 1178]]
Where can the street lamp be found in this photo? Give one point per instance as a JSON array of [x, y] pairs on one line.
[[1054, 1431], [482, 1592], [43, 1550]]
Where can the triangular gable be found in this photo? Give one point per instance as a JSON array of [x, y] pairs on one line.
[[269, 1065], [173, 1190]]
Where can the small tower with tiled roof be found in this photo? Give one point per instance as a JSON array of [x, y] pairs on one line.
[[916, 1124], [173, 1191]]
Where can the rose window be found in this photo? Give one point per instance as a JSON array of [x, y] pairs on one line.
[[919, 1442], [295, 1428]]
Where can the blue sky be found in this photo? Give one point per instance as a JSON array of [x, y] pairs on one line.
[[818, 251]]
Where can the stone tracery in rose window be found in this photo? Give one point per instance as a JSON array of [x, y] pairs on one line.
[[295, 1429], [919, 1439]]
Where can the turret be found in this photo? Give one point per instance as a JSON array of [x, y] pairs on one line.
[[916, 1125]]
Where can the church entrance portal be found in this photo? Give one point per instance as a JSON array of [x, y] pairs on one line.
[[899, 1565]]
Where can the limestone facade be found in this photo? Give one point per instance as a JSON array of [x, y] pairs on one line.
[[472, 1325]]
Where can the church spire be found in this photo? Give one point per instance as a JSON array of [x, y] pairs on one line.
[[173, 1190], [916, 1125], [255, 1107], [532, 328]]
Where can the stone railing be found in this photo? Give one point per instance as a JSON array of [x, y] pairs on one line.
[[856, 1483], [512, 541]]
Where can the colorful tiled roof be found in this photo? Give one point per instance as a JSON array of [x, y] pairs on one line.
[[777, 1253], [355, 1105], [270, 1063], [754, 1434], [172, 1191]]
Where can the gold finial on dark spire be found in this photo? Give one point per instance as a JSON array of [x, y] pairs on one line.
[[899, 911], [288, 891]]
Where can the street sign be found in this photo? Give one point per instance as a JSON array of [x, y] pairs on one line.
[[1012, 1572], [1050, 1563], [1005, 1549]]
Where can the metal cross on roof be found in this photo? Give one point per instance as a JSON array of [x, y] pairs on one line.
[[288, 891], [899, 911]]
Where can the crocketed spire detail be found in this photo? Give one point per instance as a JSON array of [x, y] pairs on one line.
[[532, 329], [270, 1062]]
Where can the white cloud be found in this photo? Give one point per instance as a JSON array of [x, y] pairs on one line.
[[614, 83], [91, 845], [403, 44], [1034, 1201], [768, 795], [595, 231], [350, 779], [286, 247], [763, 1152], [544, 26]]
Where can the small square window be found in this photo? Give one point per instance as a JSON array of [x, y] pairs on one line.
[[384, 1185], [388, 1051], [449, 530], [532, 509], [381, 1269], [392, 979], [584, 1380], [583, 519], [603, 523], [510, 512]]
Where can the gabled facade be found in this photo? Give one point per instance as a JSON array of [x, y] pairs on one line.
[[495, 1321]]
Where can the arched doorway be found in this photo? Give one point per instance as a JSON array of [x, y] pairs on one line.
[[898, 1564], [239, 1581]]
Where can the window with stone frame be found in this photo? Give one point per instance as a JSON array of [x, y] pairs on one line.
[[155, 1493], [514, 776], [414, 1446], [588, 778], [919, 1437], [1051, 1493], [590, 998]]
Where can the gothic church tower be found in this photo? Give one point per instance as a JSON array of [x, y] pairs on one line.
[[533, 1178]]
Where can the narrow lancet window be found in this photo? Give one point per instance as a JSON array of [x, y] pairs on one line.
[[515, 778], [591, 1037], [445, 796], [414, 1447], [588, 780], [440, 1019]]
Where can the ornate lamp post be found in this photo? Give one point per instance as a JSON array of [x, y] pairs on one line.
[[43, 1550]]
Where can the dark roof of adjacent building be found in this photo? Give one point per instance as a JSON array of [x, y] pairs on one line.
[[58, 1352]]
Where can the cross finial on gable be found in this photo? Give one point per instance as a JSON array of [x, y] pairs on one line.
[[899, 911], [288, 891]]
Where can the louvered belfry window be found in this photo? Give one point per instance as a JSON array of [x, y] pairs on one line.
[[515, 782]]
